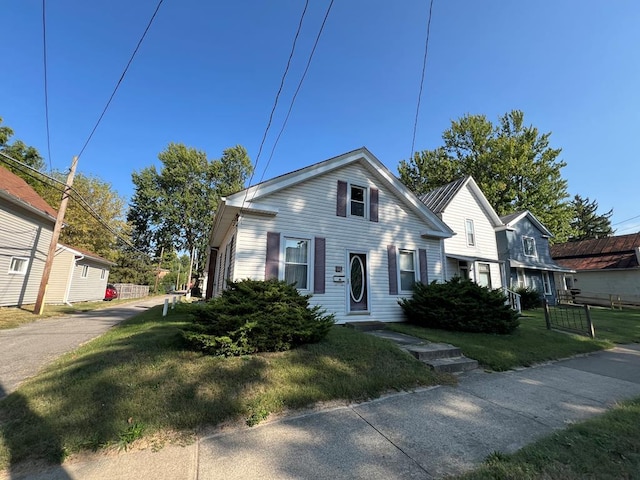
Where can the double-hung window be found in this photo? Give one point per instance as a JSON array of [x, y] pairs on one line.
[[407, 262], [296, 262], [484, 275], [471, 233], [358, 201], [546, 283], [18, 265], [85, 271], [529, 244]]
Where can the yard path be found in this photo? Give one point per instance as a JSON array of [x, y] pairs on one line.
[[25, 350]]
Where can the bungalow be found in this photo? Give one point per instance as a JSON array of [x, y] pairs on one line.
[[345, 230], [472, 253], [26, 228], [605, 268], [523, 244]]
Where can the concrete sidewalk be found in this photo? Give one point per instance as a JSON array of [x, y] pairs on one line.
[[25, 350], [424, 434]]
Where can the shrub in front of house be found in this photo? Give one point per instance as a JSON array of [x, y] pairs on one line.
[[459, 305], [256, 316], [530, 298]]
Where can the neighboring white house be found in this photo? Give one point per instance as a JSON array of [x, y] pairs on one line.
[[472, 253], [77, 276], [26, 228], [345, 230], [605, 268]]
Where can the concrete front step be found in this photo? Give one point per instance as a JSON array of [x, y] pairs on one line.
[[431, 351], [366, 326], [452, 365]]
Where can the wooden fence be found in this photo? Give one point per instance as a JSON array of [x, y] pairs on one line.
[[611, 300], [129, 290]]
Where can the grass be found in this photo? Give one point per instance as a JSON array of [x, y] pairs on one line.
[[605, 447], [532, 343], [137, 382], [11, 317]]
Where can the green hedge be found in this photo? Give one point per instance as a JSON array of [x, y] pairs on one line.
[[459, 305], [256, 316], [530, 298]]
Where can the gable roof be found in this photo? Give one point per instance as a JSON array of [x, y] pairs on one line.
[[249, 198], [86, 254], [438, 199], [600, 253], [513, 218], [16, 190]]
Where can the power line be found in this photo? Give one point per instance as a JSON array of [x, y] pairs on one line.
[[295, 95], [121, 78], [625, 221], [275, 103], [46, 89], [424, 66]]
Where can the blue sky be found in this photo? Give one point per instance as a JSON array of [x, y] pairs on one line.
[[208, 71]]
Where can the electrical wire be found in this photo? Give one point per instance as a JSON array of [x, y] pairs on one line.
[[275, 103], [424, 66], [121, 78], [46, 88], [295, 95], [625, 221]]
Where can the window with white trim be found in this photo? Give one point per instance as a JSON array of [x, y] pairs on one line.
[[407, 270], [471, 233], [529, 244], [85, 271], [522, 279], [546, 283], [18, 265], [484, 275], [358, 201], [296, 262]]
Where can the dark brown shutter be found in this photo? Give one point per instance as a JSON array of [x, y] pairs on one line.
[[393, 269], [273, 256], [341, 205], [319, 265], [373, 204], [422, 258]]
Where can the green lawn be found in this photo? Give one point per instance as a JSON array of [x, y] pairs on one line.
[[605, 447], [136, 381], [532, 343]]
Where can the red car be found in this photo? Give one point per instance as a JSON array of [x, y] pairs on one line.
[[110, 293]]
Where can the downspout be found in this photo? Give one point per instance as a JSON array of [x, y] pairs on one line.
[[74, 264]]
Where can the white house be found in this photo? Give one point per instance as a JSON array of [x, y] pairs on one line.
[[473, 252], [345, 230]]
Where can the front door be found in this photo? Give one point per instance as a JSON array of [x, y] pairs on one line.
[[358, 283]]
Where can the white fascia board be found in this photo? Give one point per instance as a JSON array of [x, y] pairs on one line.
[[252, 207], [435, 234], [484, 203], [27, 206]]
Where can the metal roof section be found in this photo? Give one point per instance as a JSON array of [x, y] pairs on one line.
[[609, 253], [439, 198]]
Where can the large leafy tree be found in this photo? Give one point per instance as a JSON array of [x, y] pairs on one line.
[[512, 163], [586, 222], [173, 206]]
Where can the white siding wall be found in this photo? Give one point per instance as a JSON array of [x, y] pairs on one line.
[[61, 269], [625, 283], [309, 210], [90, 288], [465, 206], [22, 234]]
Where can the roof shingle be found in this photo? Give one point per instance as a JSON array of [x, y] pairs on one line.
[[23, 192]]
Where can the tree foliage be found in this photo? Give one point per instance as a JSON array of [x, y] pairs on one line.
[[586, 223], [19, 151], [513, 165], [173, 207]]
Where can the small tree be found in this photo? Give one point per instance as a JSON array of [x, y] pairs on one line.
[[586, 222]]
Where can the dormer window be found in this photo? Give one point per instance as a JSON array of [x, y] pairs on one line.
[[358, 201], [529, 246]]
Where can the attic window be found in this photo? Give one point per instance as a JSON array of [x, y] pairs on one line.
[[529, 246], [358, 201], [471, 233]]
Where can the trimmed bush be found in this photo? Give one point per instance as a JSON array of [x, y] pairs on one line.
[[256, 316], [530, 298], [459, 305]]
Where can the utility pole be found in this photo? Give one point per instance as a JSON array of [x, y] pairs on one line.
[[193, 252], [44, 283], [155, 288]]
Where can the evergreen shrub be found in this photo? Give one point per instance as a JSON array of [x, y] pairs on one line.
[[530, 298], [459, 305], [255, 316]]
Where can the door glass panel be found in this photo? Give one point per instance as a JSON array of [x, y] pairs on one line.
[[357, 279]]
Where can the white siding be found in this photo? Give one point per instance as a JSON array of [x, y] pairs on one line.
[[22, 234], [90, 288], [309, 210], [61, 270], [462, 207]]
